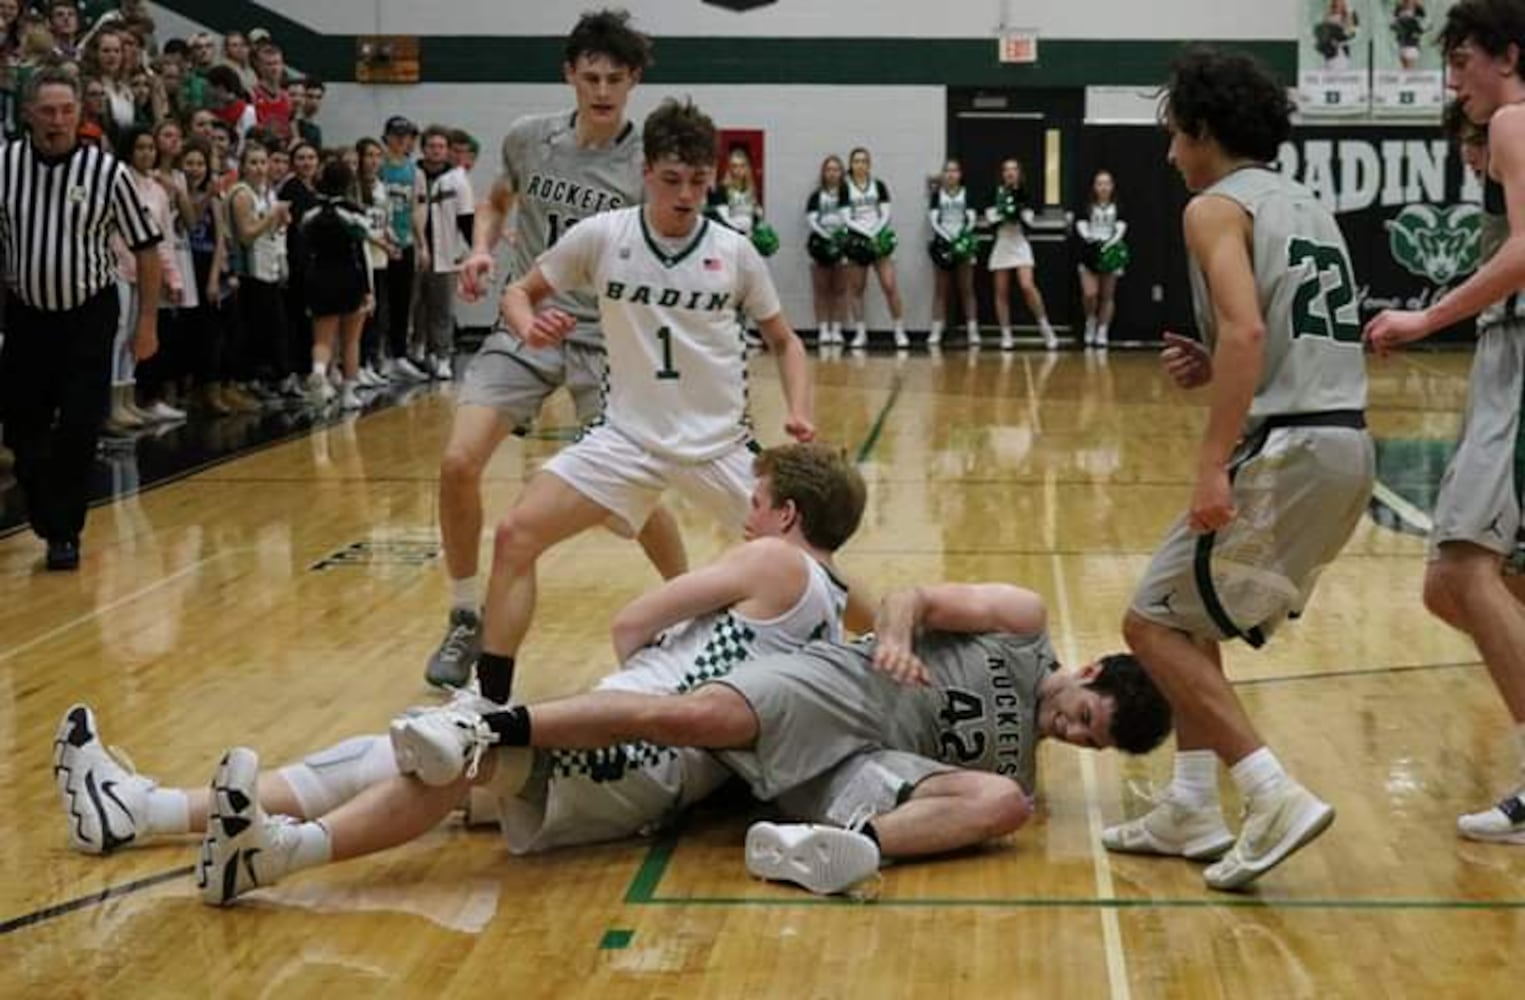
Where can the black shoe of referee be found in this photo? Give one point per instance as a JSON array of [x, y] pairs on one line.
[[63, 555]]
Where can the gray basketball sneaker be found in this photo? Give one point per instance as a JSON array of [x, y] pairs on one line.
[[451, 664]]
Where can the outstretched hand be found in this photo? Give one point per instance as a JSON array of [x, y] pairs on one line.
[[1186, 361]]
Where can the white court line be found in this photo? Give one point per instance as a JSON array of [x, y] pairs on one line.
[[1407, 357], [1111, 930], [126, 599], [1415, 518]]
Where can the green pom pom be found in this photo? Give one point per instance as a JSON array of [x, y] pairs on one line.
[[963, 248], [885, 242], [1113, 257], [765, 239]]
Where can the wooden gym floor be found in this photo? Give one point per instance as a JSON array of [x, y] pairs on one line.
[[289, 598]]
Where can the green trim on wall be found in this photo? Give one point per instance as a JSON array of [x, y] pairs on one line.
[[956, 62]]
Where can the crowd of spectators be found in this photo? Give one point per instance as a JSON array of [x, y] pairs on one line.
[[295, 272]]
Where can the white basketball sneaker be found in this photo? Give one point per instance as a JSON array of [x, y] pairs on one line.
[[104, 801], [243, 849], [1277, 823], [1504, 823], [827, 860], [439, 744], [1172, 828]]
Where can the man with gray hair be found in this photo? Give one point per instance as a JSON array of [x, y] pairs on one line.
[[61, 202]]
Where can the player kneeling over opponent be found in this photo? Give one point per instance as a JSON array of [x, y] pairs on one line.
[[919, 740], [774, 593]]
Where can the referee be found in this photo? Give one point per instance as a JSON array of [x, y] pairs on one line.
[[60, 205]]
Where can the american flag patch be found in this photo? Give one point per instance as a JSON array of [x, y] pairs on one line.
[[713, 264]]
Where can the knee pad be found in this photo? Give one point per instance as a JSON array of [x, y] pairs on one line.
[[327, 779]]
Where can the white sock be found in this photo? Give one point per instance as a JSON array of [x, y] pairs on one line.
[[1090, 328], [1005, 333], [937, 329], [1196, 778], [1257, 772], [169, 812], [1046, 327], [973, 328], [305, 845], [466, 594], [320, 368], [1101, 332], [861, 329], [900, 326]]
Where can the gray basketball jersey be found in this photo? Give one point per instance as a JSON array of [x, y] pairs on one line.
[[1307, 291], [1495, 230], [981, 711], [556, 184]]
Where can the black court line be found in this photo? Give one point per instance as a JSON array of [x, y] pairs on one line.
[[94, 899], [1331, 675]]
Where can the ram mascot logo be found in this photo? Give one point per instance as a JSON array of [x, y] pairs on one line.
[[1439, 244]]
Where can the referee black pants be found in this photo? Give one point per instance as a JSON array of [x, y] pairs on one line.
[[55, 379]]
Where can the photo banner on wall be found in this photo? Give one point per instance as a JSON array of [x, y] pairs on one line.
[[1334, 56], [1408, 73]]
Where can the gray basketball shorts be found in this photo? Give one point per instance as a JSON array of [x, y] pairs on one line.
[[1299, 492], [578, 797], [1480, 494], [515, 379], [860, 787], [811, 717]]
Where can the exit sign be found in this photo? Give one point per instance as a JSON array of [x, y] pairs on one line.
[[1018, 46]]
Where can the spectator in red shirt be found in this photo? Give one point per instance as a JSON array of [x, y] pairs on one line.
[[272, 105]]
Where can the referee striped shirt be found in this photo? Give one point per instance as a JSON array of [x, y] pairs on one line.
[[57, 217]]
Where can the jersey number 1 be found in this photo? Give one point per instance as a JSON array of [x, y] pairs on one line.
[[667, 371], [1334, 299]]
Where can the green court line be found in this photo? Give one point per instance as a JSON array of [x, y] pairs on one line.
[[1039, 902], [643, 887], [867, 447], [615, 939]]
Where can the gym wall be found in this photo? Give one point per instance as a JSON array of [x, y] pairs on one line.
[[820, 78]]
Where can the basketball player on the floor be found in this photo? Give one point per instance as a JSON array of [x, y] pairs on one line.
[[557, 169], [918, 740], [669, 285], [1284, 470], [1478, 512], [772, 594]]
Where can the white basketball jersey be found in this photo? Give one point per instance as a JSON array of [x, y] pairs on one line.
[[677, 382], [708, 647], [863, 203]]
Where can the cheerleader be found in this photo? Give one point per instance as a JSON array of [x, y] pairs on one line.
[[733, 202], [1009, 211], [824, 212], [1102, 256], [952, 251], [870, 244]]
